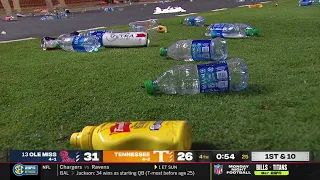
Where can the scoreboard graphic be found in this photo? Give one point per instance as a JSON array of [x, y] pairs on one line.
[[191, 165]]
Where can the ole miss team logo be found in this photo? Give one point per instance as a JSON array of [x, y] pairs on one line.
[[120, 127]]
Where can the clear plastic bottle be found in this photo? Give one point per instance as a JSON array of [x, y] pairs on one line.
[[197, 50], [228, 30], [143, 26], [193, 21], [44, 18], [193, 79], [79, 43], [305, 2], [98, 34]]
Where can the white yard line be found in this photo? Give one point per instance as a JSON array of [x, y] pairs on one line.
[[244, 6], [181, 15], [266, 2], [91, 29], [219, 9], [16, 40]]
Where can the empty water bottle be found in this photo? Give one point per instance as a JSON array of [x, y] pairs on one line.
[[305, 2], [197, 50], [98, 34], [48, 43], [193, 79], [193, 21], [143, 26], [79, 43], [47, 18], [227, 30]]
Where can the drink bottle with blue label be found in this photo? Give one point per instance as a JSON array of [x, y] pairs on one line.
[[305, 2], [193, 79], [197, 50], [98, 34], [79, 43], [193, 21], [227, 30]]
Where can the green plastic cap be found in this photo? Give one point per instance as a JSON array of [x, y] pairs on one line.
[[149, 87], [256, 31], [181, 22], [163, 52]]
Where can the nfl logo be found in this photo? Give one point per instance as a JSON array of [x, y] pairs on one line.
[[218, 169]]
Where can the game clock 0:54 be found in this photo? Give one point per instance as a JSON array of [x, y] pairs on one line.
[[225, 156]]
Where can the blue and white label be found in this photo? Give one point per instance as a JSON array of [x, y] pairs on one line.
[[214, 77], [217, 30], [156, 126], [201, 50], [192, 21], [98, 35], [78, 44]]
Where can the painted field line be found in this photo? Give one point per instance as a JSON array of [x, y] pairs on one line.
[[265, 2], [219, 9], [91, 29], [186, 14], [16, 40]]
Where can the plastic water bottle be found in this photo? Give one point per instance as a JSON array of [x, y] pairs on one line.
[[193, 21], [98, 34], [143, 26], [227, 30], [193, 79], [44, 18], [197, 50], [48, 43], [79, 43], [305, 2]]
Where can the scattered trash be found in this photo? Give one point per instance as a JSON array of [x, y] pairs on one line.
[[108, 9], [136, 135], [169, 9], [3, 32], [193, 21], [201, 78], [139, 26], [197, 50], [227, 30], [305, 2], [48, 43], [10, 18], [126, 39], [47, 18], [276, 5], [255, 6], [162, 29]]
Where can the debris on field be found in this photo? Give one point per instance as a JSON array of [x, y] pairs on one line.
[[3, 32], [168, 10]]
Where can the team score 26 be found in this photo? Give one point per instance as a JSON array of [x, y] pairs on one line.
[[185, 156], [280, 156], [88, 156]]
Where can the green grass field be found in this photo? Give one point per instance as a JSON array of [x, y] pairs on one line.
[[48, 95]]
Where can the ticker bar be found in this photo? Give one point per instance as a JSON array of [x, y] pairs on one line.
[[281, 156]]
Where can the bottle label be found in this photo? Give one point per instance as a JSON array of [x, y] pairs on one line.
[[78, 44], [192, 21], [120, 127], [214, 77], [201, 50], [219, 29], [98, 35], [128, 39]]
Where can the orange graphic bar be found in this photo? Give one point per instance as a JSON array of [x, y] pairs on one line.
[[138, 156]]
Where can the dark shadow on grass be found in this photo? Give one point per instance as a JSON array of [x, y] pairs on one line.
[[203, 146]]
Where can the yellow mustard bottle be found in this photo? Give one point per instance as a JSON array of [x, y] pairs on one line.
[[139, 135]]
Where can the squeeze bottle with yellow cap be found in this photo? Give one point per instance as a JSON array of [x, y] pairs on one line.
[[139, 135]]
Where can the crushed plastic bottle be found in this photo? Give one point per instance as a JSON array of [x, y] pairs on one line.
[[49, 43], [228, 30], [108, 9], [197, 50], [79, 43], [193, 79], [44, 18], [142, 26], [193, 21], [98, 34]]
